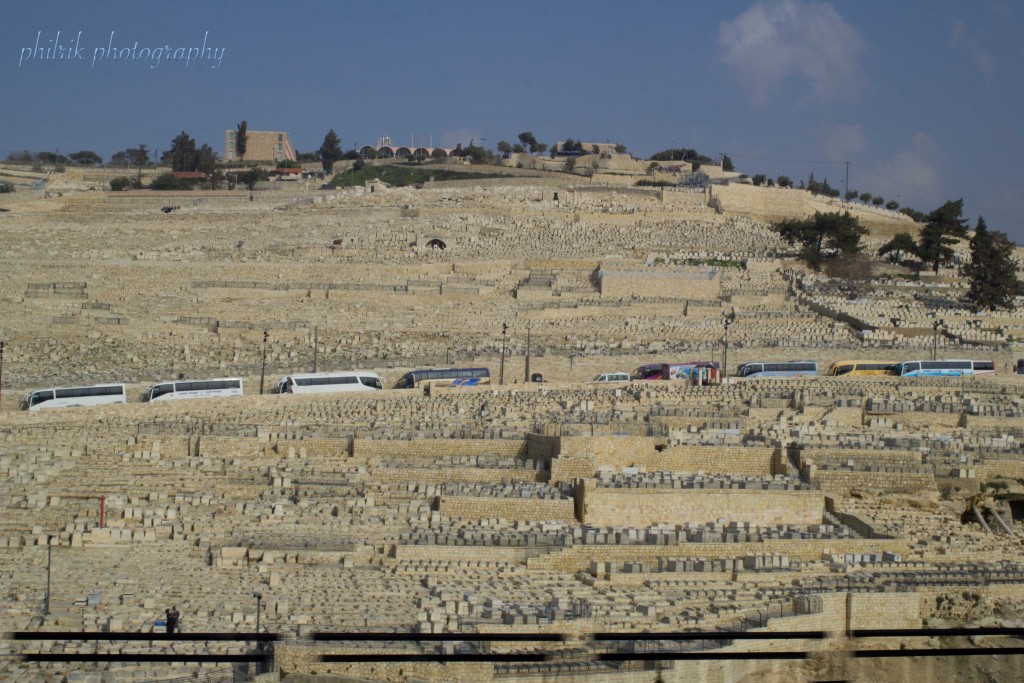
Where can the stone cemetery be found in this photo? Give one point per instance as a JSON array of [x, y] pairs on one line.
[[560, 506]]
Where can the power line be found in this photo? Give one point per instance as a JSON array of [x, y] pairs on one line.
[[898, 182], [786, 161], [857, 167]]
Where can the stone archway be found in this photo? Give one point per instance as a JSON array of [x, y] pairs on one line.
[[437, 243]]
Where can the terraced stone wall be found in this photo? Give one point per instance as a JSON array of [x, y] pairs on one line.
[[643, 507]]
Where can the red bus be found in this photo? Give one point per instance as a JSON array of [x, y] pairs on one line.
[[670, 371], [649, 371], [693, 371]]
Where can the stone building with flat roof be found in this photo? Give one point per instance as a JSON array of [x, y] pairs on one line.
[[259, 146], [605, 149]]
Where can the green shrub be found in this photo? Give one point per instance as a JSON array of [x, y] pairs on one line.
[[125, 183], [167, 181]]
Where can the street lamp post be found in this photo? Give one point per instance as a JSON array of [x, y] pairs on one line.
[[935, 337], [263, 366], [501, 371], [725, 351]]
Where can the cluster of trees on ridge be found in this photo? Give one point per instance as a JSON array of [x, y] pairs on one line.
[[528, 143], [832, 242], [823, 188], [83, 158], [330, 152], [184, 156]]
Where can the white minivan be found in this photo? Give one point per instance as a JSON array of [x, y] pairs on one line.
[[612, 377]]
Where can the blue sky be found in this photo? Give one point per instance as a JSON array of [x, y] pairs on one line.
[[923, 98]]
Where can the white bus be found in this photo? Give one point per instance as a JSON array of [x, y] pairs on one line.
[[67, 397], [202, 388], [327, 382], [789, 368], [943, 368]]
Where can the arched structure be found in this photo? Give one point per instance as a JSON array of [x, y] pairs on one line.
[[403, 152]]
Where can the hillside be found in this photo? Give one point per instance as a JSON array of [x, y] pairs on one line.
[[564, 506]]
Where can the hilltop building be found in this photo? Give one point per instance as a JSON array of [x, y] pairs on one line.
[[605, 149], [385, 150], [262, 146]]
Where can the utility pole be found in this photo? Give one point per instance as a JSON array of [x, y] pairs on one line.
[[846, 183], [526, 371], [49, 556], [315, 329], [501, 373], [935, 337], [263, 367]]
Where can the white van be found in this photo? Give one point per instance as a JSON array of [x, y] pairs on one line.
[[612, 377]]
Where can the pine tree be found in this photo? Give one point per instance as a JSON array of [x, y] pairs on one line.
[[946, 226], [529, 142], [992, 270], [901, 245], [840, 232], [206, 159], [183, 154]]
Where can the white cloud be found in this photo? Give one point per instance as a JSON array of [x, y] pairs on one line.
[[842, 141], [961, 41], [771, 42], [914, 175]]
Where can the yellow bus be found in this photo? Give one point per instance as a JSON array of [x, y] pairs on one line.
[[859, 367]]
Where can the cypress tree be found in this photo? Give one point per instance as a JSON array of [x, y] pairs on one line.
[[330, 151], [241, 139]]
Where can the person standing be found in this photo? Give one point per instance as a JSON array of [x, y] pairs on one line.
[[173, 618]]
